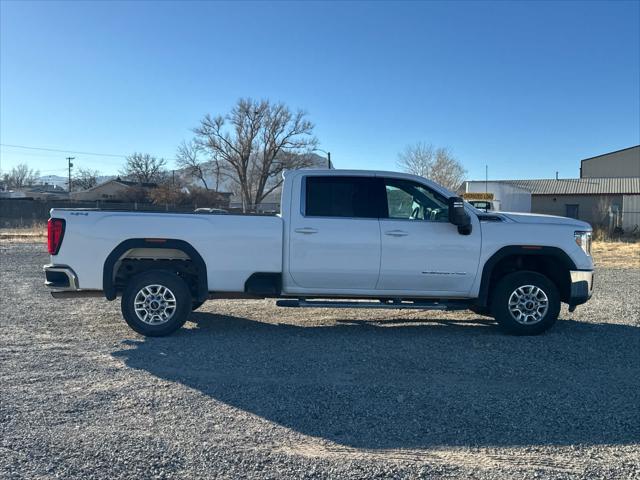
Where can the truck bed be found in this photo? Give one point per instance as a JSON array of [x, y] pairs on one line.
[[233, 246]]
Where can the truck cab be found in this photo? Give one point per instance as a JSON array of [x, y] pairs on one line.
[[355, 233]]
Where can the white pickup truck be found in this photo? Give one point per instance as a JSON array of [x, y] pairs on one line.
[[343, 239]]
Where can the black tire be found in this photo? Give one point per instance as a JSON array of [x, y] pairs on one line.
[[529, 325], [177, 316], [484, 311], [196, 305]]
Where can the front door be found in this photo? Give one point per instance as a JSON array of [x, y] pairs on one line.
[[334, 239], [421, 250]]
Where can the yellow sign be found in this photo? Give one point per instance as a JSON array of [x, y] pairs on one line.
[[477, 196]]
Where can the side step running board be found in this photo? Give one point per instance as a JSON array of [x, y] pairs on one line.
[[393, 304]]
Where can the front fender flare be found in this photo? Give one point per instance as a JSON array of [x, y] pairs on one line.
[[519, 250]]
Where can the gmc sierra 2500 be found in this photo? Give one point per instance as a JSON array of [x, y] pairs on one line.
[[343, 239]]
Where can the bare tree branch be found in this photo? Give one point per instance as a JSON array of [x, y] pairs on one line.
[[21, 176], [188, 159], [85, 178], [143, 168], [437, 164], [255, 143]]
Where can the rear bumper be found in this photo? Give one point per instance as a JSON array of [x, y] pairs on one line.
[[581, 287], [60, 278]]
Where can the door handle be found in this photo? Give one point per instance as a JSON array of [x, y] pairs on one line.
[[306, 230], [396, 233]]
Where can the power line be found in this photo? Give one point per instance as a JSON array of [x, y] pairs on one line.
[[28, 147], [63, 151], [7, 154]]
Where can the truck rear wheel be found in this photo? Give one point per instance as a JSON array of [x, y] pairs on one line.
[[525, 303], [196, 305], [156, 303]]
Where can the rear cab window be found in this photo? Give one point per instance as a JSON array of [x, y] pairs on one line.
[[342, 196]]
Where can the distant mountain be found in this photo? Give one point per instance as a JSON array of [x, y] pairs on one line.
[[105, 178], [54, 180], [318, 161], [58, 181], [225, 185]]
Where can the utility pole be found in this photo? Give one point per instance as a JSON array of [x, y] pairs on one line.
[[486, 178], [70, 165], [328, 157]]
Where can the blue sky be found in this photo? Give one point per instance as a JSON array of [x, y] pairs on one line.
[[527, 88]]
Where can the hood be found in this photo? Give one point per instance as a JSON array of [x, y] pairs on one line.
[[547, 219]]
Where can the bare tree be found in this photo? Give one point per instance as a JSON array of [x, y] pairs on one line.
[[254, 143], [189, 158], [416, 159], [604, 219], [85, 178], [437, 164], [167, 194], [193, 196], [21, 176], [447, 170], [144, 168]]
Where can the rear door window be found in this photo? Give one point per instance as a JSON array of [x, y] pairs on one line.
[[342, 196]]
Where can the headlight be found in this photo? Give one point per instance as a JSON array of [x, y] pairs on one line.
[[583, 239]]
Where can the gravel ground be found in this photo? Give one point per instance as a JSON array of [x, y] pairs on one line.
[[247, 390]]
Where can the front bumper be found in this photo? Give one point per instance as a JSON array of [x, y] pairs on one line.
[[60, 278], [581, 287]]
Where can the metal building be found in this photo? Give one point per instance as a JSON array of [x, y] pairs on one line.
[[609, 202], [621, 163], [607, 194]]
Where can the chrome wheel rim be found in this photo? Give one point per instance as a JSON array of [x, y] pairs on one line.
[[154, 304], [528, 304]]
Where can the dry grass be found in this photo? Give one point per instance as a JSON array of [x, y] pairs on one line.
[[36, 233], [605, 254], [616, 254]]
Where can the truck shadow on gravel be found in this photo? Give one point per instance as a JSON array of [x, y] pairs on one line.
[[412, 385]]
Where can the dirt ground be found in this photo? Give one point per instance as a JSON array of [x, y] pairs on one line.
[[247, 390]]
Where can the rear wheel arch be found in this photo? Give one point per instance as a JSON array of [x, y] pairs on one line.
[[119, 253], [552, 262]]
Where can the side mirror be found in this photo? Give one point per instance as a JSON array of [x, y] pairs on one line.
[[459, 216]]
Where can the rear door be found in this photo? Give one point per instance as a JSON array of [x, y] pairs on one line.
[[421, 251], [334, 237]]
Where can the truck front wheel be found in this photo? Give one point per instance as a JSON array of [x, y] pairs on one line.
[[525, 303], [156, 303]]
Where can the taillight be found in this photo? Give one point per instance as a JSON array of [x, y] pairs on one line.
[[55, 232]]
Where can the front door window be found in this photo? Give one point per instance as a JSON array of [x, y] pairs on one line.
[[407, 200]]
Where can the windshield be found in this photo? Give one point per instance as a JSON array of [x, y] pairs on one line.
[[474, 209], [481, 205]]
